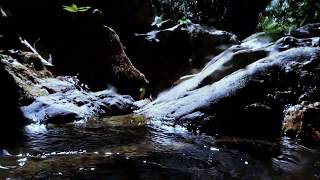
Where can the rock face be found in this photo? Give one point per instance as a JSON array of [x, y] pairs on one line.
[[12, 117], [80, 45], [244, 91], [45, 98], [178, 50], [94, 53]]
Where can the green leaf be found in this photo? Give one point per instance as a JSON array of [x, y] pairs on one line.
[[184, 21], [84, 9], [74, 8]]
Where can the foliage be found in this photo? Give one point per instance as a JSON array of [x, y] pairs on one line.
[[282, 16], [238, 16], [176, 9], [73, 8], [197, 11], [184, 21]]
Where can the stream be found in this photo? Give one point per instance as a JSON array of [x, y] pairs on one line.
[[130, 147], [215, 102]]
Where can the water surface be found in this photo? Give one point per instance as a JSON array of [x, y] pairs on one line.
[[129, 147]]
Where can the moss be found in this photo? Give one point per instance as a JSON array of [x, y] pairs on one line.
[[132, 120]]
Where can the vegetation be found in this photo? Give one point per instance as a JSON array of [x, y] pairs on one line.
[[73, 8], [282, 16], [184, 21], [229, 15]]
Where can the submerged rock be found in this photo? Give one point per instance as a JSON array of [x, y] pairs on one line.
[[181, 49], [303, 121], [244, 91]]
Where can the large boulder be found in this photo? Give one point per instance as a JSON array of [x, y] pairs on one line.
[[177, 50], [95, 54], [79, 44], [46, 98], [76, 105], [84, 47], [244, 91]]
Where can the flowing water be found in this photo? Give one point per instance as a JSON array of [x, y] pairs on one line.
[[129, 147]]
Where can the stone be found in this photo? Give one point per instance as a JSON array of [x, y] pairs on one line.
[[47, 98], [76, 105], [178, 50], [95, 54], [303, 121], [244, 90]]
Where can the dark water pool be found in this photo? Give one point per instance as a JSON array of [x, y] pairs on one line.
[[127, 147]]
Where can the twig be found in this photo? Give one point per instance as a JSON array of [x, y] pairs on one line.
[[27, 44], [2, 12]]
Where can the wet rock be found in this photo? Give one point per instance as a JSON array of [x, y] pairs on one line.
[[80, 45], [181, 49], [303, 121], [26, 77], [45, 98], [307, 31], [12, 118], [131, 120], [75, 105], [244, 90]]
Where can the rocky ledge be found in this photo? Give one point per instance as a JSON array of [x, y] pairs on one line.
[[178, 48], [45, 98], [251, 90], [37, 92]]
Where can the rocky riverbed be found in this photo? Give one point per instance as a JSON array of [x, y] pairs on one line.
[[169, 100]]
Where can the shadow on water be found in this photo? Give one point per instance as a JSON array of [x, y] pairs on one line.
[[130, 147]]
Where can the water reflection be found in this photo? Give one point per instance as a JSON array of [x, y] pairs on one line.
[[35, 129]]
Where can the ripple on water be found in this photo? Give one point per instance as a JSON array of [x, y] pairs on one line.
[[124, 147]]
